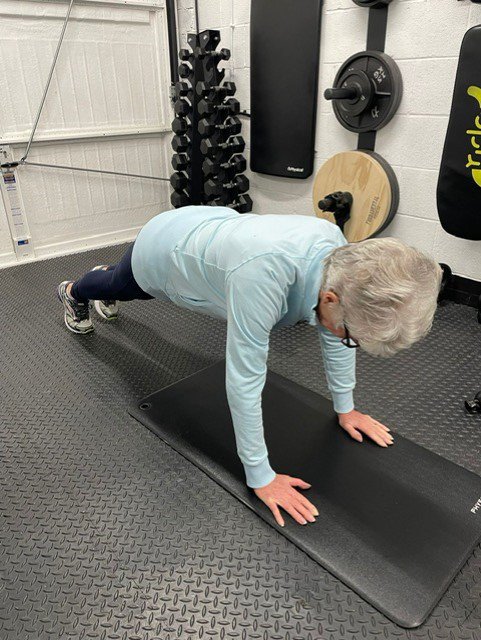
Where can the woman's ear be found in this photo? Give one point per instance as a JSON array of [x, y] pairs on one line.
[[331, 297]]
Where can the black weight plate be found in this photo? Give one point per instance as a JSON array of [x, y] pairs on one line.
[[386, 78], [356, 106], [393, 181], [352, 121], [375, 3], [356, 64], [379, 112], [379, 74]]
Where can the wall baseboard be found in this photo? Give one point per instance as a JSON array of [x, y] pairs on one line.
[[80, 245], [8, 259]]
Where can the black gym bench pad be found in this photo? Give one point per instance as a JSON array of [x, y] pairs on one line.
[[395, 524]]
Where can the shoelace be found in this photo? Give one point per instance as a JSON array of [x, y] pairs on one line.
[[82, 311]]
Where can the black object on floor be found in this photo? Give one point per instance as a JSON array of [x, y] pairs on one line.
[[396, 524], [459, 185]]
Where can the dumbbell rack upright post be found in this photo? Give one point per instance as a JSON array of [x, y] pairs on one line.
[[197, 178]]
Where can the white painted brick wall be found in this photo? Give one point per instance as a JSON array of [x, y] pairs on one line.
[[424, 37], [6, 247], [112, 78]]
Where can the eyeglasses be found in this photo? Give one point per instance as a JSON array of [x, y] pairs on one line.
[[348, 341]]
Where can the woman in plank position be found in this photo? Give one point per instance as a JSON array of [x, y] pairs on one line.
[[261, 272]]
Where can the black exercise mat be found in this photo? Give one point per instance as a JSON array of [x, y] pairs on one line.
[[459, 184], [396, 524]]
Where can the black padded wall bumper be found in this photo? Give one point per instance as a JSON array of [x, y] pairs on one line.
[[459, 186], [285, 42], [396, 524]]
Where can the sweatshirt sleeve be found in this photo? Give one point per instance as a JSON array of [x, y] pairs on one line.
[[340, 366], [255, 303]]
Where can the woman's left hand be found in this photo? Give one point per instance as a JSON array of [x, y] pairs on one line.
[[357, 423]]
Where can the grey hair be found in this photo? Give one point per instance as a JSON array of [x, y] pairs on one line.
[[388, 293]]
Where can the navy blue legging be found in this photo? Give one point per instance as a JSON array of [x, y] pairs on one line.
[[114, 283]]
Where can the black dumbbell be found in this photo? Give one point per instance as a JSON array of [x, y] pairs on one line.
[[180, 125], [232, 126], [243, 204], [180, 199], [184, 70], [182, 89], [227, 197], [207, 107], [182, 107], [186, 55], [180, 180], [239, 184], [218, 202], [211, 167], [237, 164], [202, 51], [180, 161], [206, 128], [228, 172], [210, 148], [180, 143], [206, 49], [215, 56], [231, 106], [216, 92], [213, 118], [213, 189]]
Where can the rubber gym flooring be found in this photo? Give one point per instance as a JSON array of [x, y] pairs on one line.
[[107, 533]]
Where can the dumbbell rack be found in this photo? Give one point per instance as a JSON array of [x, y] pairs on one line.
[[208, 151]]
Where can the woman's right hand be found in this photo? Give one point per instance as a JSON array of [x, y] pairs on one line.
[[281, 492]]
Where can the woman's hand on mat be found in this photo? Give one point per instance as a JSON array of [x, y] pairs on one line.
[[357, 423], [281, 492]]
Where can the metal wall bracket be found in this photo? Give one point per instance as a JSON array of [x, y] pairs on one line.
[[12, 199]]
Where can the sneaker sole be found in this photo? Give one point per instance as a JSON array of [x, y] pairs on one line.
[[81, 333], [101, 314]]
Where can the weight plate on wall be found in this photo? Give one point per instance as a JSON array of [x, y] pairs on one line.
[[372, 84], [394, 185], [372, 3], [372, 184]]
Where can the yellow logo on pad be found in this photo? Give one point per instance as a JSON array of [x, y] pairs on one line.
[[474, 159]]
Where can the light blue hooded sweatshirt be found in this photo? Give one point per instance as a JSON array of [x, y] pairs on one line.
[[258, 272]]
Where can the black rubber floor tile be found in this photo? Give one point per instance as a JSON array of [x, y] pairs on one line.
[[107, 533]]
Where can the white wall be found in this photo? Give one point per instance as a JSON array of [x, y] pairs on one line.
[[107, 107], [6, 247], [424, 37]]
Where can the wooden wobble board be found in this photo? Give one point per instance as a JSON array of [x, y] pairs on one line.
[[371, 182]]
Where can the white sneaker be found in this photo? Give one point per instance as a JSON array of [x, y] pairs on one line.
[[107, 309], [76, 314]]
